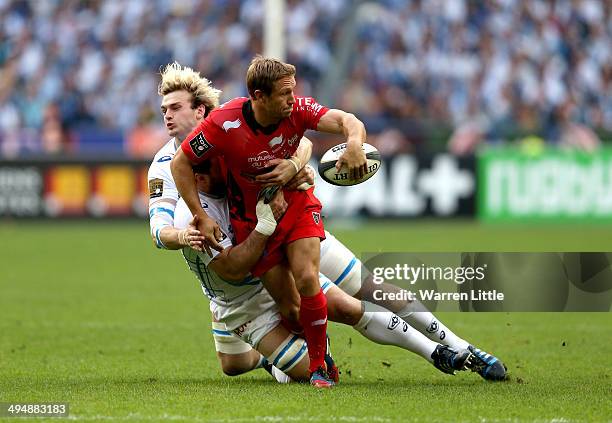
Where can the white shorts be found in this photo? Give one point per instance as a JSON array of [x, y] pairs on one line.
[[340, 265], [254, 318], [226, 342]]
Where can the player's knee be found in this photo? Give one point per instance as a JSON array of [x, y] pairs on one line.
[[232, 371], [344, 310], [231, 368]]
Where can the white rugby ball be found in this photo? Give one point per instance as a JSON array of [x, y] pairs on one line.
[[327, 165]]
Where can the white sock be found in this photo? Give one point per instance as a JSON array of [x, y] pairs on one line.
[[384, 327], [422, 320], [278, 374]]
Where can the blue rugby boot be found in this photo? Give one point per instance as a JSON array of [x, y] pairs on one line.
[[486, 365]]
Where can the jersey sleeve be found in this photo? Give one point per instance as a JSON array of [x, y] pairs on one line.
[[310, 111], [204, 142], [163, 196], [161, 184]]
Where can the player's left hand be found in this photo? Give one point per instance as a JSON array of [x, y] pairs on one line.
[[190, 236], [282, 171], [355, 160]]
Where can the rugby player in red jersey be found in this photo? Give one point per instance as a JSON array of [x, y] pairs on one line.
[[258, 137]]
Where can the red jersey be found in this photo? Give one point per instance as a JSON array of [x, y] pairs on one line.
[[232, 132]]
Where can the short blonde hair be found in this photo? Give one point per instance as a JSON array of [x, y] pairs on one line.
[[263, 72], [175, 77]]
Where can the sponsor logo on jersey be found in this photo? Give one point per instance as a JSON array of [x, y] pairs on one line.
[[156, 188], [164, 159], [199, 145], [292, 140], [308, 103], [316, 216], [231, 124], [261, 159]]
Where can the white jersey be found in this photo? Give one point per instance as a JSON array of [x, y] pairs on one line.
[[217, 289], [233, 303], [163, 194]]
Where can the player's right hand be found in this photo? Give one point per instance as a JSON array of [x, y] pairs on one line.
[[303, 180], [355, 160], [211, 232]]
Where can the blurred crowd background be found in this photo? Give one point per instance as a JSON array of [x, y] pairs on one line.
[[80, 77]]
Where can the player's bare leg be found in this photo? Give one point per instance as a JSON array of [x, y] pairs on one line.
[[237, 364], [303, 255], [279, 283]]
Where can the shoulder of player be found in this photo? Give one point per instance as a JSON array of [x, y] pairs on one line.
[[230, 108], [164, 155]]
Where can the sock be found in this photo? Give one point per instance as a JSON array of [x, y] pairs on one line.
[[422, 320], [384, 327], [313, 317], [274, 371]]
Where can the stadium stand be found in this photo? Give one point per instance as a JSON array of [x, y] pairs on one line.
[[421, 70]]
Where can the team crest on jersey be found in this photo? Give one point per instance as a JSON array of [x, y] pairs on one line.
[[231, 124], [316, 216], [156, 188], [199, 145], [275, 141]]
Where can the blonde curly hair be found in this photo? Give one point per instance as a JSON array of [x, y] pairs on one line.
[[175, 77]]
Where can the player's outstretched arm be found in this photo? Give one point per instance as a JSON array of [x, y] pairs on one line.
[[337, 121], [235, 263], [174, 239], [186, 185]]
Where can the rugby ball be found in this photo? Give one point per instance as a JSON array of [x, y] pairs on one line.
[[327, 165]]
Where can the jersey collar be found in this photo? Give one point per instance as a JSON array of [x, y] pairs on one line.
[[249, 117]]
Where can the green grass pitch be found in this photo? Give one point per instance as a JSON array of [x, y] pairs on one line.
[[93, 315]]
